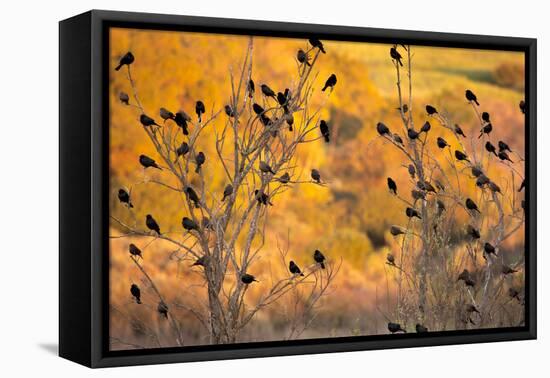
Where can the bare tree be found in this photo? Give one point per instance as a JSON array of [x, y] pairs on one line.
[[225, 232]]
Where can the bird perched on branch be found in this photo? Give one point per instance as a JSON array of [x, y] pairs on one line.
[[124, 98], [522, 106], [229, 111], [489, 249], [382, 129], [199, 161], [147, 162], [319, 258], [485, 130], [431, 110], [227, 191], [459, 131], [134, 250], [147, 121], [471, 205], [397, 139], [189, 224], [318, 44], [181, 119], [166, 114], [420, 328], [504, 156], [323, 127], [464, 275], [265, 168], [247, 279], [425, 127], [126, 60], [471, 97], [470, 308], [258, 109], [136, 293], [124, 197], [192, 195], [330, 83], [392, 186], [294, 269], [181, 150], [200, 109], [411, 170], [396, 230], [396, 56], [461, 156], [473, 232], [491, 148], [162, 308], [390, 259], [411, 213], [395, 327], [262, 198], [486, 117], [412, 134], [302, 57], [404, 108], [494, 187], [152, 224], [268, 92], [251, 88], [476, 171], [289, 118], [285, 178], [482, 180], [316, 176], [426, 186], [418, 195], [503, 146], [201, 261]]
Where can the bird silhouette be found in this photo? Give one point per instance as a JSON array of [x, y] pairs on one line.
[[390, 259], [425, 127], [494, 187], [166, 114], [302, 57], [285, 178], [503, 146], [395, 327], [396, 230], [181, 150], [257, 109], [124, 197], [152, 224], [489, 249], [412, 134], [476, 171], [136, 293], [289, 118], [471, 205], [459, 131], [262, 198], [522, 106], [461, 156], [229, 111], [319, 258], [147, 162], [227, 191], [189, 224], [397, 139], [124, 98], [464, 275], [294, 269], [201, 261], [394, 54], [251, 88], [392, 186], [324, 130], [491, 148], [420, 328], [126, 60], [504, 156], [471, 97], [382, 129], [431, 110], [199, 161], [318, 44], [265, 168], [268, 92], [316, 176], [411, 170], [192, 195], [147, 121], [247, 279], [470, 308], [134, 250], [482, 180], [486, 117], [200, 109], [411, 213], [181, 119], [473, 232], [330, 83], [485, 130]]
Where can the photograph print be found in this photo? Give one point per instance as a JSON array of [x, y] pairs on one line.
[[269, 189]]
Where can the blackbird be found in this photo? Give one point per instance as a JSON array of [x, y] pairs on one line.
[[316, 176], [471, 97], [136, 293], [262, 198], [324, 130], [189, 224], [268, 92], [395, 327], [461, 156], [331, 82], [521, 187], [425, 127], [459, 131], [319, 258], [166, 114], [147, 121], [382, 129], [522, 106], [471, 205], [431, 110], [485, 130], [482, 180], [464, 275], [470, 308], [421, 329], [426, 186], [489, 249], [247, 279], [199, 161], [227, 191], [162, 308], [229, 111], [289, 118], [181, 151], [392, 186], [201, 261], [200, 109], [282, 100], [257, 109], [396, 56], [265, 168], [152, 224], [285, 178], [494, 187], [397, 139], [486, 117], [412, 134], [491, 148], [181, 120], [411, 213], [147, 162], [134, 250], [127, 59], [442, 143], [251, 88], [508, 270], [316, 43], [504, 156], [404, 108], [302, 57], [417, 195], [476, 171], [294, 269], [124, 197], [411, 170], [503, 146], [192, 195], [390, 259], [473, 232], [124, 98], [396, 230]]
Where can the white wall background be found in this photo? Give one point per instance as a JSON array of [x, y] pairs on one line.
[[29, 185]]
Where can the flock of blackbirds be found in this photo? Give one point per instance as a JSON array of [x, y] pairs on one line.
[[423, 188], [182, 120]]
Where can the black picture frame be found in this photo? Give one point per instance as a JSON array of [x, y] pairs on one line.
[[83, 196]]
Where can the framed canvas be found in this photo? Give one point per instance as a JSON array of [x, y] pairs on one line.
[[234, 188]]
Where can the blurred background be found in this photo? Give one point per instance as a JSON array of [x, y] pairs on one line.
[[348, 219]]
